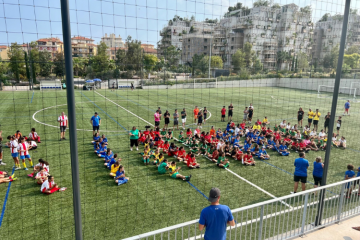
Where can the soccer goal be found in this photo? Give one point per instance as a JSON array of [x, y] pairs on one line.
[[327, 91]]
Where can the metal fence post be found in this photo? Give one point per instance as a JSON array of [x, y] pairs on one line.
[[341, 201], [261, 222], [333, 108], [65, 16], [304, 214]]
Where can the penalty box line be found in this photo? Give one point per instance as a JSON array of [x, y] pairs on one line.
[[252, 184]]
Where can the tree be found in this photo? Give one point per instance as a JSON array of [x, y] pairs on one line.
[[249, 54], [352, 60], [45, 63], [215, 62], [238, 60], [172, 56], [257, 67], [59, 66], [133, 55], [306, 9], [4, 68], [302, 61], [261, 3], [100, 62], [150, 61], [120, 59], [352, 49], [197, 63], [325, 17], [334, 53], [17, 61]]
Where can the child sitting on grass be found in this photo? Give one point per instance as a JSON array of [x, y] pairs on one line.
[[222, 161], [248, 159], [120, 176], [191, 161]]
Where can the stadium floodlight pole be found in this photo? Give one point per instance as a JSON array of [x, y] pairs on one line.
[[65, 16], [333, 110]]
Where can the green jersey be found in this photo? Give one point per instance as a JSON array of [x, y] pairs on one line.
[[163, 133], [276, 129], [220, 160], [181, 137], [162, 168]]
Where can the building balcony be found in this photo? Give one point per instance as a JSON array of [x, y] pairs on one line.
[[270, 44], [269, 59], [269, 52]]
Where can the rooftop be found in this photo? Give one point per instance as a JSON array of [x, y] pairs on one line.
[[81, 38], [49, 40]]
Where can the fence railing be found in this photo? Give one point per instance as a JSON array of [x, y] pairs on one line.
[[281, 218]]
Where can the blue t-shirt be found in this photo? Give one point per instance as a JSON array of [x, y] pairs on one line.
[[112, 161], [118, 174], [96, 138], [350, 173], [301, 165], [282, 147], [95, 120], [215, 218], [318, 169], [105, 140], [347, 105], [358, 173]]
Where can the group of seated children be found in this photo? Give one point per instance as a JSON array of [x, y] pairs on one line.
[[111, 160]]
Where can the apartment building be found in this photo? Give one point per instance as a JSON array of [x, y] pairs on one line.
[[327, 34], [4, 52], [51, 45], [149, 49], [83, 47], [112, 41]]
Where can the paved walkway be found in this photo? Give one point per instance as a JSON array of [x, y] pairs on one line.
[[342, 231]]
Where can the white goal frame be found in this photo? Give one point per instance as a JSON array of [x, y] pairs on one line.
[[350, 94]]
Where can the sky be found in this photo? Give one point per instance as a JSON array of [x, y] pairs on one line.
[[24, 21]]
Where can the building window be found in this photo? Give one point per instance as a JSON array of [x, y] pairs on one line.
[[205, 47], [205, 39], [232, 39], [232, 47]]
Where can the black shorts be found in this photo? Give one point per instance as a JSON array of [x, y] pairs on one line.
[[167, 120], [205, 116], [298, 178], [250, 116], [62, 128], [317, 180], [338, 128], [326, 124], [96, 128], [309, 120], [316, 122], [200, 120], [300, 118], [157, 123], [230, 114], [222, 115], [134, 142], [176, 122]]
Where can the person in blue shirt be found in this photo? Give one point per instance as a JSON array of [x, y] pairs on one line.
[[95, 122], [318, 171], [111, 161], [260, 139], [247, 147], [263, 155], [347, 108], [348, 175], [105, 140], [96, 138], [283, 149], [102, 151], [271, 144], [215, 218], [228, 127], [109, 154], [219, 134], [301, 165], [120, 176]]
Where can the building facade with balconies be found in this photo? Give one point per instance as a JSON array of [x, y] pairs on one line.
[[51, 45], [83, 47]]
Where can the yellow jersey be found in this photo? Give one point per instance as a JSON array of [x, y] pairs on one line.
[[257, 127], [146, 153], [310, 115], [156, 155], [161, 159], [172, 169], [264, 120], [114, 169], [317, 116], [146, 144]]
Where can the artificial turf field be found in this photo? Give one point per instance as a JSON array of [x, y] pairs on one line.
[[149, 201]]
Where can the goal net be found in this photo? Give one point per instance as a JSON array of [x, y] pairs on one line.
[[327, 91]]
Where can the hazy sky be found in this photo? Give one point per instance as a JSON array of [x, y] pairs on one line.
[[28, 20]]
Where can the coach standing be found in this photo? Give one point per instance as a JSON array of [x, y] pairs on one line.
[[300, 175], [64, 123], [95, 122], [215, 218]]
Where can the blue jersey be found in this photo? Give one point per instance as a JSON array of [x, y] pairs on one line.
[[118, 174], [103, 149], [228, 127], [95, 120], [218, 136], [283, 147], [105, 140], [111, 162], [107, 157], [247, 146], [347, 105], [301, 165], [358, 173], [350, 173], [259, 139], [271, 142], [96, 138], [318, 169]]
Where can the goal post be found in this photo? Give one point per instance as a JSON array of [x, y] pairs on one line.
[[324, 89]]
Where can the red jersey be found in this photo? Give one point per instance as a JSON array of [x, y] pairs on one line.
[[181, 153], [287, 140], [259, 123], [302, 145], [24, 147], [152, 135], [142, 138], [247, 158], [189, 133], [238, 156], [215, 155], [190, 161], [277, 136], [223, 111], [146, 132], [232, 124], [159, 143], [295, 144], [242, 125], [63, 120], [269, 131], [165, 146]]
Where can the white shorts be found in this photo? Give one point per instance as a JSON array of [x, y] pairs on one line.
[[183, 120]]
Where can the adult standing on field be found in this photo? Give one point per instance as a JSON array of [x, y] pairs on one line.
[[300, 117], [167, 119], [327, 121], [196, 112], [64, 123], [95, 122], [159, 112], [347, 108], [157, 117], [230, 112], [310, 117], [215, 217], [134, 138], [176, 119], [317, 115], [300, 175], [183, 117]]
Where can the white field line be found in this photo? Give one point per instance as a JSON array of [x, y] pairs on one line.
[[49, 125], [257, 187], [252, 184]]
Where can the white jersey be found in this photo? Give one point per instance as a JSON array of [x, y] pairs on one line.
[[33, 144], [47, 185], [342, 141], [282, 125], [33, 135], [44, 166], [321, 134], [237, 130], [42, 175], [312, 133], [288, 127], [14, 146], [23, 147]]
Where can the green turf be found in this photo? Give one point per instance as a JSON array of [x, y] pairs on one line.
[[149, 201]]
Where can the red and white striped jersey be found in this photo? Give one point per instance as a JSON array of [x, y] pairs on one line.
[[63, 120], [33, 135], [44, 166], [13, 146], [24, 147], [42, 175], [33, 144], [47, 185]]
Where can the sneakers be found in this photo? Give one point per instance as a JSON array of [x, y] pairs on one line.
[[137, 149], [292, 192], [17, 168], [130, 149], [2, 163], [26, 169], [62, 189]]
